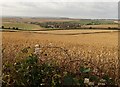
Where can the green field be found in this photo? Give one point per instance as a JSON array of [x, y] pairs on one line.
[[23, 26]]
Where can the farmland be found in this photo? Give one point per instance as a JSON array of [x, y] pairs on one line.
[[23, 26], [100, 49], [57, 23], [69, 49]]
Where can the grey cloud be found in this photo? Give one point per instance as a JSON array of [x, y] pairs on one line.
[[62, 9]]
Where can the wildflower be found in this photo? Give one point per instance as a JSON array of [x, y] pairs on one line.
[[42, 84], [91, 83], [102, 80], [101, 83], [37, 45], [86, 80], [37, 49], [15, 63]]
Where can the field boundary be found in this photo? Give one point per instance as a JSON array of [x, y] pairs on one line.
[[38, 32], [77, 33]]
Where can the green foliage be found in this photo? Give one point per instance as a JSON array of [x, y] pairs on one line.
[[28, 72], [60, 25], [23, 26], [68, 80], [84, 70]]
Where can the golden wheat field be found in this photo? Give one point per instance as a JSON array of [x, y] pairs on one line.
[[96, 49]]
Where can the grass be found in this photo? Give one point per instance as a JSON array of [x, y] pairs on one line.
[[94, 21], [23, 26]]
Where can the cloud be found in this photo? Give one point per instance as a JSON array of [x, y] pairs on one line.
[[62, 9], [59, 0]]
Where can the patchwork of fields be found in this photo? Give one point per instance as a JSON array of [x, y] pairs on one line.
[[37, 23]]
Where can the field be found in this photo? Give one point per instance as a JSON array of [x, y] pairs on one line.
[[95, 50], [89, 37], [36, 19], [103, 26], [18, 19], [74, 32], [37, 23], [99, 49], [22, 26]]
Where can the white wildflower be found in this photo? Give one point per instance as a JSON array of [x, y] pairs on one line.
[[91, 83], [37, 46], [101, 83], [86, 80], [42, 84], [102, 80], [37, 49]]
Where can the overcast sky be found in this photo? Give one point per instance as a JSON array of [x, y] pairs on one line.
[[61, 9]]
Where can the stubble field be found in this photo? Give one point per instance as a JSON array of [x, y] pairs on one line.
[[98, 50]]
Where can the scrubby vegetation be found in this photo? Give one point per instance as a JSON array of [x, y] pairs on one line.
[[36, 71]]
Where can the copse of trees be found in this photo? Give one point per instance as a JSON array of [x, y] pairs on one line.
[[70, 25], [5, 27], [15, 28]]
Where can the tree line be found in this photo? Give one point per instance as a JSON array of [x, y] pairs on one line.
[[15, 28], [58, 25]]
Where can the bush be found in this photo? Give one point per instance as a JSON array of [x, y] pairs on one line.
[[16, 28], [90, 27], [13, 27], [2, 27], [28, 72]]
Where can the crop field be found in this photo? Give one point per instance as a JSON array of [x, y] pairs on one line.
[[55, 20], [74, 32], [96, 49], [35, 20], [103, 26], [23, 26]]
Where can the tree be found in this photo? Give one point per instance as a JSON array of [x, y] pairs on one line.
[[90, 27], [16, 28], [13, 27], [2, 27]]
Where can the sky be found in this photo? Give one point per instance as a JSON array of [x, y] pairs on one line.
[[73, 9]]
